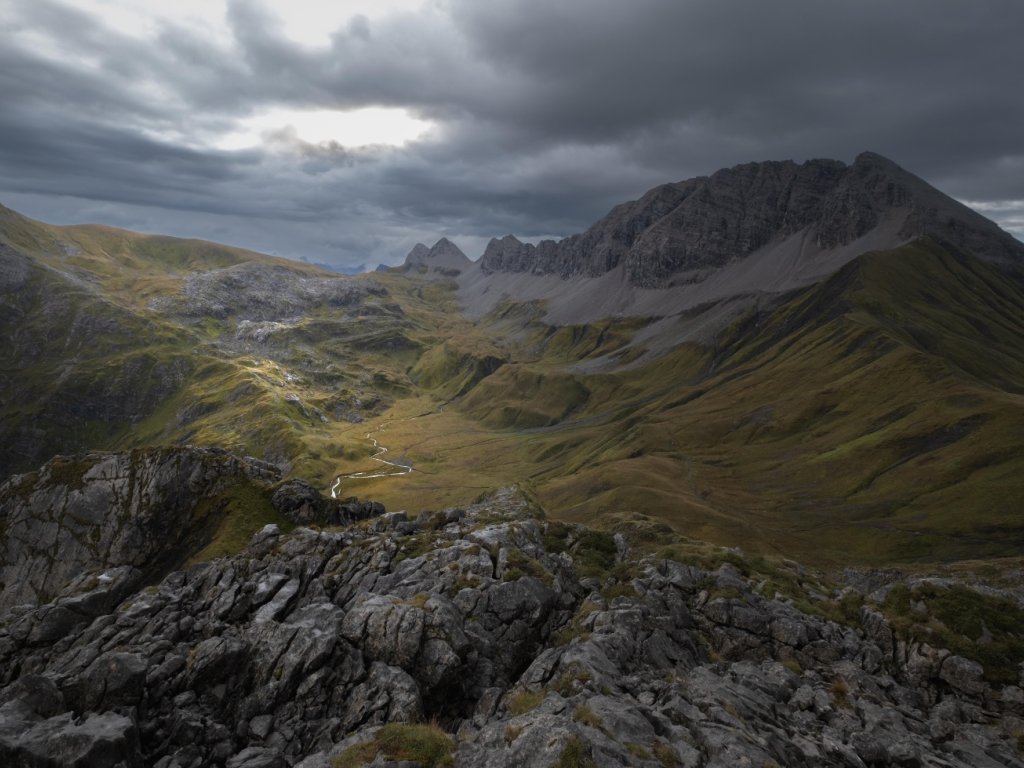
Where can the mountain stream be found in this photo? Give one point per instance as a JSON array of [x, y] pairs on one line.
[[391, 469]]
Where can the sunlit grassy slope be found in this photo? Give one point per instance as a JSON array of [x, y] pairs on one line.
[[875, 417]]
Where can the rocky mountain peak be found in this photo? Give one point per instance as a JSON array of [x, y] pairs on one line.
[[445, 252], [687, 231], [418, 253], [868, 159], [443, 259]]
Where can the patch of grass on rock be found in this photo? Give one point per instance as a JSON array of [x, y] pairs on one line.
[[423, 743], [525, 701], [575, 755]]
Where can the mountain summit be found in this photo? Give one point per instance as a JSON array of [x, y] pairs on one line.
[[444, 259], [758, 227]]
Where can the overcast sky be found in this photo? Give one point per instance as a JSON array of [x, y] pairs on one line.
[[344, 132]]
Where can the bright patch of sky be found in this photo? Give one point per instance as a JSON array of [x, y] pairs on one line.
[[309, 22], [351, 128], [1009, 213]]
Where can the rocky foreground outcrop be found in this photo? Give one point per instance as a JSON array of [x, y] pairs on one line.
[[527, 642], [125, 512]]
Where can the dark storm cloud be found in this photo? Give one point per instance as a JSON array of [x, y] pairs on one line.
[[546, 113]]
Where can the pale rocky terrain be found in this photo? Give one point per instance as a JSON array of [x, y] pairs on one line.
[[255, 291], [529, 642]]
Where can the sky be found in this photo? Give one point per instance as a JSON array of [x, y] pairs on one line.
[[344, 132]]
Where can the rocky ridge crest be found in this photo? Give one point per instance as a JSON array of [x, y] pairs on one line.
[[685, 231], [530, 642]]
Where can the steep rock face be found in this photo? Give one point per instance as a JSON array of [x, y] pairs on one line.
[[105, 517], [684, 232], [296, 651]]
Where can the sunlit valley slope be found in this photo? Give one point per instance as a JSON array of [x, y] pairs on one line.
[[823, 361]]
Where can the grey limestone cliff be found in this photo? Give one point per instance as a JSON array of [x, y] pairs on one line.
[[687, 230]]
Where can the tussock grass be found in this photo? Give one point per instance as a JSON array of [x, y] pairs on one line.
[[423, 743]]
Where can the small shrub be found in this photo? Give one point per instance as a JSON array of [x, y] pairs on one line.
[[571, 680], [594, 553], [512, 733], [419, 600], [525, 701], [555, 536], [848, 609], [665, 754], [587, 716], [727, 592], [638, 750], [465, 581], [840, 693], [793, 666], [575, 755], [69, 471], [518, 565]]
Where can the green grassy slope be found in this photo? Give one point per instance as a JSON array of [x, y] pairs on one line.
[[877, 416]]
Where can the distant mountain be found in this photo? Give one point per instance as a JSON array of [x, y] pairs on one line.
[[444, 259], [357, 270], [756, 228]]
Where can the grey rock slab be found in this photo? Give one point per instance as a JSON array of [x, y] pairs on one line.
[[278, 605], [93, 741], [257, 757]]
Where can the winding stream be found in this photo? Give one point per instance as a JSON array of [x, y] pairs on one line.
[[397, 469]]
